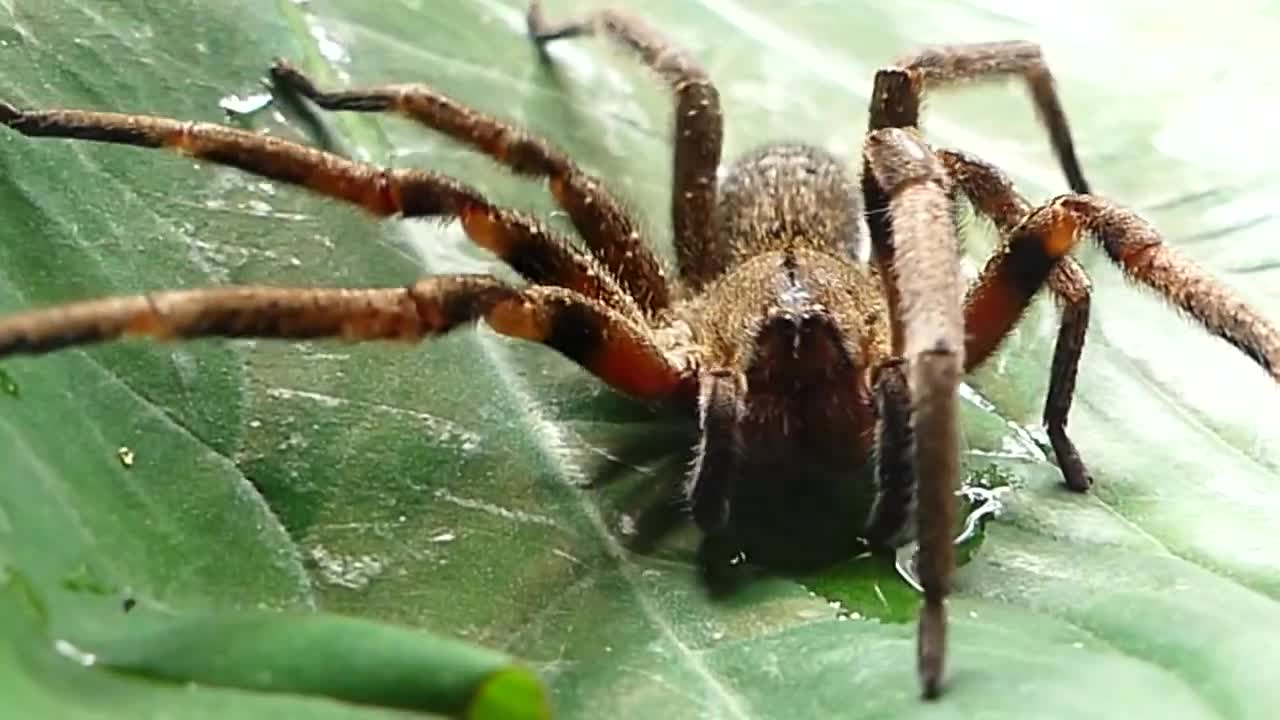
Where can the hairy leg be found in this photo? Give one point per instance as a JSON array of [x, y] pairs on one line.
[[698, 132], [617, 350], [521, 241], [1137, 248], [905, 183], [608, 230], [1050, 232], [709, 481], [891, 514], [1071, 286], [899, 90], [1035, 251], [993, 195]]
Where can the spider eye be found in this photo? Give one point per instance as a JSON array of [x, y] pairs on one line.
[[796, 348]]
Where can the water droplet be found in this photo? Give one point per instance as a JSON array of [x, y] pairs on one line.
[[237, 105], [257, 207], [74, 654]]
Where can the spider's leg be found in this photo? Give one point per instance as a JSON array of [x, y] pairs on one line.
[[715, 460], [614, 348], [608, 230], [899, 90], [890, 516], [1070, 285], [1035, 251], [699, 130], [1034, 247], [910, 210], [987, 322], [1136, 247], [522, 242]]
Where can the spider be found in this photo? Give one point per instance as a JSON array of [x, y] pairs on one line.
[[812, 374]]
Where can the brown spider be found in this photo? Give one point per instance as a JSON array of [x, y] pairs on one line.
[[801, 363]]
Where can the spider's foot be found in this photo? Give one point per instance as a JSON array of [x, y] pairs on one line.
[[535, 21], [541, 32], [931, 648], [1074, 472], [286, 75], [1079, 480], [9, 113]]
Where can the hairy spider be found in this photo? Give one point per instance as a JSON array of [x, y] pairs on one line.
[[801, 363]]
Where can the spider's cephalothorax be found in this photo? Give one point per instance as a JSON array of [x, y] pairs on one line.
[[790, 331], [803, 364]]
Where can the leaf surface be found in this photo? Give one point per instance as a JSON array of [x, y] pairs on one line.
[[490, 492]]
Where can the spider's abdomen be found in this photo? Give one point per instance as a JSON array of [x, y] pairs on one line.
[[789, 196]]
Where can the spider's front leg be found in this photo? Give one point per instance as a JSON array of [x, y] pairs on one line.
[[532, 250], [908, 203], [891, 515], [604, 342], [609, 232]]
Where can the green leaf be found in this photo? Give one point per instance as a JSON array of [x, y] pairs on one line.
[[354, 660], [495, 494], [359, 662]]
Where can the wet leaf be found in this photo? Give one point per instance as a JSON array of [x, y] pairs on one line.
[[492, 493]]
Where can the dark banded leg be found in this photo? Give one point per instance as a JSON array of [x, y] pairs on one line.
[[1071, 286], [899, 90], [612, 347], [904, 180], [1024, 263], [518, 239], [698, 131], [607, 229], [1036, 252], [890, 516], [715, 462], [993, 195]]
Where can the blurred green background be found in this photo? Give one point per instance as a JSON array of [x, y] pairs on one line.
[[490, 492]]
